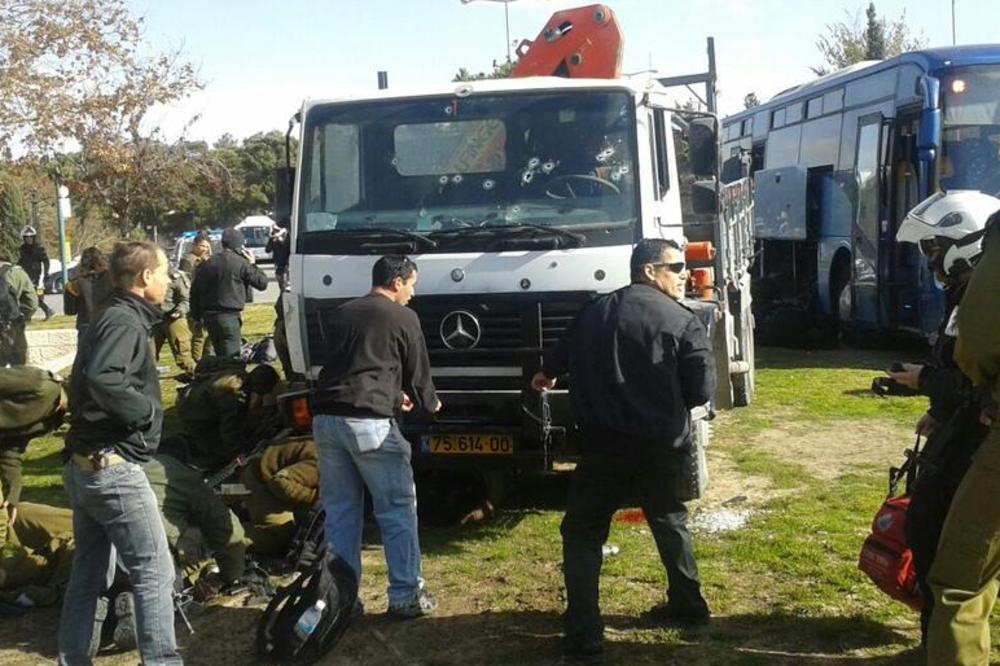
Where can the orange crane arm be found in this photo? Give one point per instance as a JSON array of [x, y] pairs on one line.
[[584, 42]]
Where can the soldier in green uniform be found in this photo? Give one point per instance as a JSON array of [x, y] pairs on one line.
[[965, 573], [20, 306], [39, 554], [32, 403], [186, 503], [285, 481], [223, 411], [174, 327], [201, 251]]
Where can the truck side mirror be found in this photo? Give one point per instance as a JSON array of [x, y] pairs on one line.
[[284, 183], [704, 197], [703, 146]]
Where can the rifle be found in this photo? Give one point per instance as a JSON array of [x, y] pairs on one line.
[[243, 459]]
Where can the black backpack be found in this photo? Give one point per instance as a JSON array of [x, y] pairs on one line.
[[10, 312], [327, 577], [310, 535]]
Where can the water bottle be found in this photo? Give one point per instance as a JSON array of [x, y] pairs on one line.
[[310, 618], [609, 550]]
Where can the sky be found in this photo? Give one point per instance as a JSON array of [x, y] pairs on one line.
[[260, 58]]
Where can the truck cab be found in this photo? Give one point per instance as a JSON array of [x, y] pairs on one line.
[[520, 200]]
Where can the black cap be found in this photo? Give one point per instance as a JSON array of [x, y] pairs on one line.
[[232, 238]]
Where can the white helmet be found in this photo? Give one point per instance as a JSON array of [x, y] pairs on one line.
[[28, 230], [949, 227]]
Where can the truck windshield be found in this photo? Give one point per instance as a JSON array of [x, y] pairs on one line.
[[435, 167], [971, 138]]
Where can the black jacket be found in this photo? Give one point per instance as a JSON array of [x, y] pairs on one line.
[[379, 351], [280, 251], [638, 361], [114, 388], [955, 404], [222, 283], [34, 260]]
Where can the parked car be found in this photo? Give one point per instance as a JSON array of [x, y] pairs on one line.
[[184, 242], [256, 232], [53, 282]]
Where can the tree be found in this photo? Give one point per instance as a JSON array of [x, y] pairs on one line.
[[847, 42], [76, 69], [500, 71], [13, 215], [750, 100]]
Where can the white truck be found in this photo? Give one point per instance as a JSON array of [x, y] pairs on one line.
[[519, 199]]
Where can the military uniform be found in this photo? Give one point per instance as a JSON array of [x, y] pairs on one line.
[[39, 557], [189, 264], [174, 327], [214, 417], [13, 343], [964, 576], [186, 502], [284, 481], [31, 404]]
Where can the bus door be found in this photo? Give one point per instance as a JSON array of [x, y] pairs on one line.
[[870, 221]]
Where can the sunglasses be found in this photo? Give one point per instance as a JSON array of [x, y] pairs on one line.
[[672, 266]]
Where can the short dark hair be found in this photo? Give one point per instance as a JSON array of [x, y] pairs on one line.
[[130, 259], [390, 267], [649, 251]]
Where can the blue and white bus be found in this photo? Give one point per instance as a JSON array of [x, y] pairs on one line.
[[837, 163]]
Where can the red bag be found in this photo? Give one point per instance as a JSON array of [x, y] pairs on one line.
[[886, 558]]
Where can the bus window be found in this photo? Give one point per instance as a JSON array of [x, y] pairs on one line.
[[814, 109], [777, 118], [833, 100], [971, 138], [793, 113]]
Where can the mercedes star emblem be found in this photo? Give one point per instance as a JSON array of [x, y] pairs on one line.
[[460, 330]]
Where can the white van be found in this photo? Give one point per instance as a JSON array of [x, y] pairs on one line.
[[256, 231]]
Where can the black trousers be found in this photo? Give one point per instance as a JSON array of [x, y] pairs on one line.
[[225, 331], [600, 485]]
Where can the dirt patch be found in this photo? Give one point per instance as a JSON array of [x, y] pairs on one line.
[[730, 488], [829, 450]]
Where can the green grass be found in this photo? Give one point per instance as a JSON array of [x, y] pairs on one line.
[[785, 589]]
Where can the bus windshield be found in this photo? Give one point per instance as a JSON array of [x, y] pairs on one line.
[[971, 138], [447, 164]]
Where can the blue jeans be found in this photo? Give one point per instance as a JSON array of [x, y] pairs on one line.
[[116, 507], [354, 453]]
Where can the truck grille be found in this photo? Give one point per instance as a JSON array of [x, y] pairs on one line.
[[513, 332]]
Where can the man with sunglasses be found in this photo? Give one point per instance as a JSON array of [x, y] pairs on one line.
[[639, 361]]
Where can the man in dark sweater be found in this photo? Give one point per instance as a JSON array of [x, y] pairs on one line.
[[639, 361], [220, 290], [378, 366], [115, 427], [33, 258]]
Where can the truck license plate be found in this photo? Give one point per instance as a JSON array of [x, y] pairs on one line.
[[456, 444]]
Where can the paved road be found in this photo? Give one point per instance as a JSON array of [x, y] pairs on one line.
[[270, 295]]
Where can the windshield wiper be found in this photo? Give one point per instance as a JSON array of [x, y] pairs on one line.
[[390, 234], [525, 230]]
